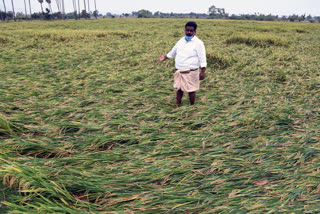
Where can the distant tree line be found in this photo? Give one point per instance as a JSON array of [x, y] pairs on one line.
[[218, 13], [262, 17], [85, 13], [147, 14]]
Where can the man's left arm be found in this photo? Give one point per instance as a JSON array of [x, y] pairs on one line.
[[202, 73], [202, 59]]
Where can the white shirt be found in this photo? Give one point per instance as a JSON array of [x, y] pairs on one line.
[[189, 54]]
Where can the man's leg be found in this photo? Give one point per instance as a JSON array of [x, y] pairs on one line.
[[192, 97], [179, 96]]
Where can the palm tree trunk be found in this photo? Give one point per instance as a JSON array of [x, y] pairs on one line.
[[41, 8], [5, 11], [30, 10], [50, 8], [14, 15], [59, 8], [25, 9], [85, 5], [58, 5], [64, 13], [74, 8], [85, 8], [1, 15], [79, 9], [89, 9], [95, 8]]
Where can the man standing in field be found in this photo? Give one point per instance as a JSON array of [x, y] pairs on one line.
[[190, 54]]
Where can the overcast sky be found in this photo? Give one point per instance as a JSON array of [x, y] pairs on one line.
[[275, 7]]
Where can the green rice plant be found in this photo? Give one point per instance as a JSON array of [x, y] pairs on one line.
[[257, 40], [4, 40], [301, 31], [47, 192], [91, 125], [218, 60], [7, 128]]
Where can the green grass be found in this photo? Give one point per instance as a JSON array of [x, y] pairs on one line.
[[88, 120], [259, 40]]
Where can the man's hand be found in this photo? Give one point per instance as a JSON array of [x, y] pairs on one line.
[[162, 58], [202, 75]]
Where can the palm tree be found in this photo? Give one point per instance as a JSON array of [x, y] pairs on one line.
[[30, 10], [79, 9], [85, 9], [25, 9], [95, 9], [74, 8], [89, 8], [49, 3], [41, 1], [58, 5], [5, 10], [59, 8], [14, 15], [64, 12]]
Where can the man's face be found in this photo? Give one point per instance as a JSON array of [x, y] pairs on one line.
[[189, 31]]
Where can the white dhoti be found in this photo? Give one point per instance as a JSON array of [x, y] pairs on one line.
[[186, 80]]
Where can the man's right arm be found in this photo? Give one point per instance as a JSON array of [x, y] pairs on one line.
[[170, 55], [162, 58]]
